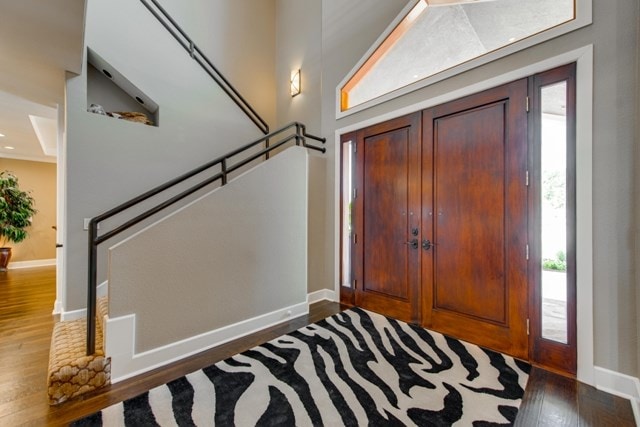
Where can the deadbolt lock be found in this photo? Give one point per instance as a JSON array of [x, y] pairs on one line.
[[413, 243]]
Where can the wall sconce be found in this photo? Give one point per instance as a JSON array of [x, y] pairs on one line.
[[295, 83]]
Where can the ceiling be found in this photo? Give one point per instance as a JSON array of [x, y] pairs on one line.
[[39, 42]]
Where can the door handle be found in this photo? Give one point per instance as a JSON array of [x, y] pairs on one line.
[[426, 244], [413, 243]]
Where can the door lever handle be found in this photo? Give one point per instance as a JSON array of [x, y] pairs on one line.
[[426, 244], [413, 243]]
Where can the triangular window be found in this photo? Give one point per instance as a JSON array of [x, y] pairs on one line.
[[432, 37]]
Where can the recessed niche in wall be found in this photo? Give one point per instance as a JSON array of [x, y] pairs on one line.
[[110, 93]]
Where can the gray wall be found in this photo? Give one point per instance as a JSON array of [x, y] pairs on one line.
[[349, 29], [637, 193], [238, 36], [299, 46], [237, 253], [109, 161]]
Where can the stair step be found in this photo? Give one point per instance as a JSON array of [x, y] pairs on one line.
[[71, 371]]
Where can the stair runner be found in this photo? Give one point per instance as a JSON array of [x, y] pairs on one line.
[[71, 371]]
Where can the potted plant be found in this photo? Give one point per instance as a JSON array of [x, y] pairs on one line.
[[16, 210]]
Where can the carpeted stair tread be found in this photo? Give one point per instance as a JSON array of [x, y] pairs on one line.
[[71, 371]]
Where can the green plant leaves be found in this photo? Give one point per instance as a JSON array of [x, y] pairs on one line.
[[557, 264], [17, 207]]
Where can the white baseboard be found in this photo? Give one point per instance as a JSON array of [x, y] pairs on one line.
[[73, 315], [323, 294], [125, 363], [31, 264], [621, 385], [101, 290]]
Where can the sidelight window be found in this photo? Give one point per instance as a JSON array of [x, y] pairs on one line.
[[553, 225], [553, 207], [346, 279]]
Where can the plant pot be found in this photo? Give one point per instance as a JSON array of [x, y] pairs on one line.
[[5, 256]]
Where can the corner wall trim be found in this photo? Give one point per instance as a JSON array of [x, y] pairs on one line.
[[621, 385], [321, 295], [32, 263], [58, 308], [125, 363]]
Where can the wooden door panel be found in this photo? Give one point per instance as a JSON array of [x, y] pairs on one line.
[[469, 222], [385, 214], [387, 208], [475, 212]]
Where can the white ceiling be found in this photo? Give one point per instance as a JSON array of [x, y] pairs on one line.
[[39, 42]]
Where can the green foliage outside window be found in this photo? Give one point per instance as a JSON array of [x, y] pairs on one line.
[[559, 263]]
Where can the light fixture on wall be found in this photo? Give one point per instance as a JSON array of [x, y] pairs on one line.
[[295, 83]]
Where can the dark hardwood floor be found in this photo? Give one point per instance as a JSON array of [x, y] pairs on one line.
[[26, 301]]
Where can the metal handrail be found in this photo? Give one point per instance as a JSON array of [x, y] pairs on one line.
[[299, 137], [194, 51]]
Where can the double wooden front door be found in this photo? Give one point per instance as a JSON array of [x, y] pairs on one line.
[[440, 218]]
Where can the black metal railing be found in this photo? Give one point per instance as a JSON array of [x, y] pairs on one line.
[[292, 132], [194, 51]]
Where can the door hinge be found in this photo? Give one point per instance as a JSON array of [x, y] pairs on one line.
[[355, 238], [355, 148], [527, 103], [355, 193], [526, 251], [527, 326], [355, 282], [526, 178]]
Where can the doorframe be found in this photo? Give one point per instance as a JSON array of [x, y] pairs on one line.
[[61, 191], [583, 57]]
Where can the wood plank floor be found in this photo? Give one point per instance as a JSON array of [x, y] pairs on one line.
[[26, 301]]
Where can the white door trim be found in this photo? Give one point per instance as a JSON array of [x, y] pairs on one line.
[[61, 188]]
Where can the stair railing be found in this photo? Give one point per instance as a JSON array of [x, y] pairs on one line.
[[194, 51], [292, 132]]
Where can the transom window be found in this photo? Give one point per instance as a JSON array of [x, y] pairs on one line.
[[437, 35]]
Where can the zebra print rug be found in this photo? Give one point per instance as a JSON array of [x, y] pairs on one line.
[[354, 368]]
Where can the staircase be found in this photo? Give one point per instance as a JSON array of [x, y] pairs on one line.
[[78, 360], [71, 371]]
